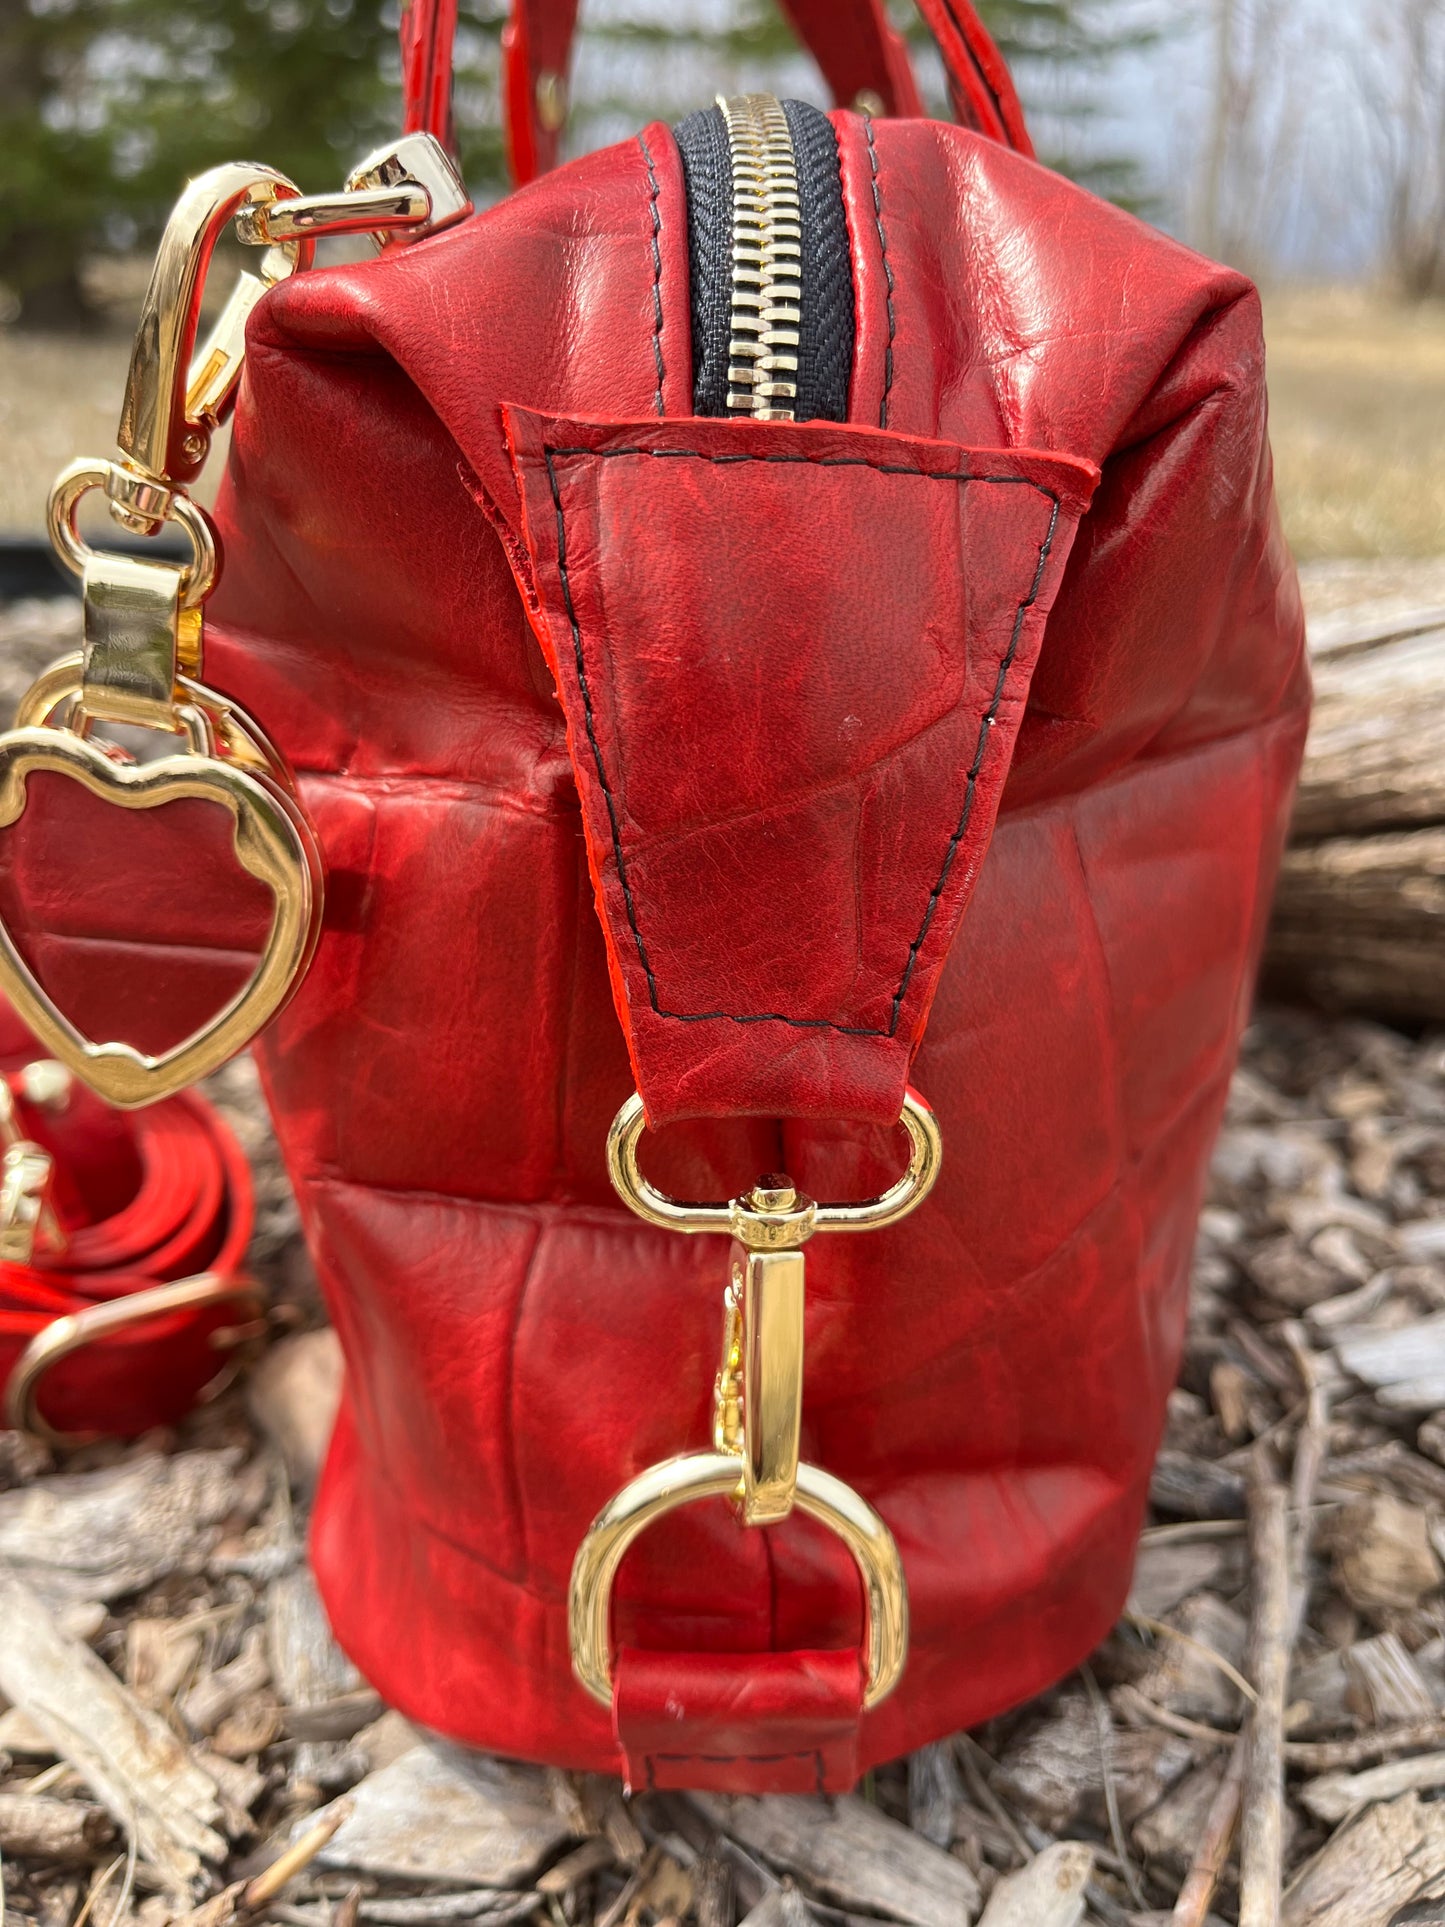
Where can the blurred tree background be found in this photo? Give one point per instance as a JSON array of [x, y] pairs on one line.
[[106, 106]]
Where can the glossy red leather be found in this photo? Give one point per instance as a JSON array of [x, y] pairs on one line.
[[427, 31], [990, 1374], [143, 1197]]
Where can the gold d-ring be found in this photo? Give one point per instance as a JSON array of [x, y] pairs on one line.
[[77, 1329], [869, 1214], [709, 1475], [238, 737]]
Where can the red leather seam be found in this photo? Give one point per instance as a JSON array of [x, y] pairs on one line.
[[812, 1753], [656, 267], [984, 734], [887, 272]]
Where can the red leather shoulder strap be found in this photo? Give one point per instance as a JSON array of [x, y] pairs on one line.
[[146, 1198], [858, 49]]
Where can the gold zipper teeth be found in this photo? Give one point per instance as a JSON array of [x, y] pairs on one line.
[[767, 260]]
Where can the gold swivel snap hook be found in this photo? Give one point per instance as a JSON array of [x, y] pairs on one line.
[[758, 1399]]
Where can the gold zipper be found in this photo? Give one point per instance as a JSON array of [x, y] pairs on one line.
[[767, 260]]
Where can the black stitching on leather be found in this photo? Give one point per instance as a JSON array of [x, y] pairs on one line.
[[887, 273], [656, 270], [984, 735], [813, 1753]]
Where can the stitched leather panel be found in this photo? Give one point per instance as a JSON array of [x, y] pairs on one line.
[[786, 734]]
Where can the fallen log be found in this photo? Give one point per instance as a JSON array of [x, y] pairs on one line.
[[1359, 919]]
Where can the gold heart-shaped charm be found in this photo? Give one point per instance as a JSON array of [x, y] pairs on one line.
[[272, 841]]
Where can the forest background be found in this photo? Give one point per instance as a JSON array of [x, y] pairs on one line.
[[1300, 140]]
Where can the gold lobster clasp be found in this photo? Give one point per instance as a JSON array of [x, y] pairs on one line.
[[758, 1398]]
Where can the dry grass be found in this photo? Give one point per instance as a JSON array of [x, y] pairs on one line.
[[1357, 393], [1357, 386], [58, 399]]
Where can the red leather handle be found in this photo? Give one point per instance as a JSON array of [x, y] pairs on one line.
[[852, 40], [979, 82], [428, 29]]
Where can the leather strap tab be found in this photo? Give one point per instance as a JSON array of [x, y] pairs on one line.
[[793, 660], [715, 1722]]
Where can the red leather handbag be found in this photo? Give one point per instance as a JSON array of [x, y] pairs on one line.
[[784, 616]]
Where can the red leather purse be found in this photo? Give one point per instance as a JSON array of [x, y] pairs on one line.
[[781, 608]]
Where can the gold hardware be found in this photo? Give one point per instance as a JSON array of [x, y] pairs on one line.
[[552, 101], [233, 734], [763, 1227], [865, 101], [767, 253], [310, 215], [402, 192], [757, 1398], [159, 440], [143, 627], [770, 1226], [133, 618], [25, 1209], [768, 1287], [215, 369], [48, 1085], [198, 577], [714, 1475], [27, 1174], [419, 159], [272, 842], [73, 1332]]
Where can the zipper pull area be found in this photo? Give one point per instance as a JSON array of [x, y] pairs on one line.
[[767, 259]]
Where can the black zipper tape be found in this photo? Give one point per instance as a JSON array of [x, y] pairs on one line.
[[828, 327]]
